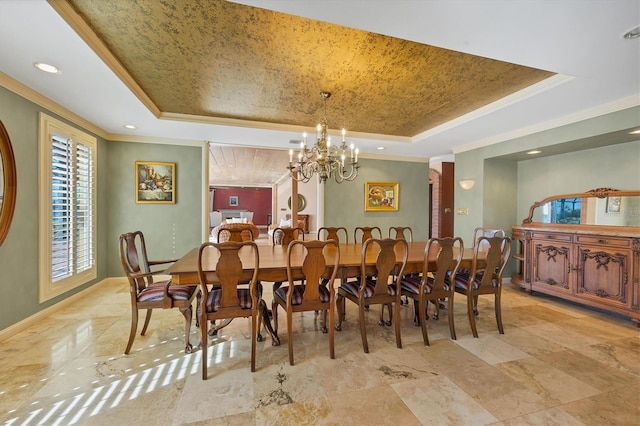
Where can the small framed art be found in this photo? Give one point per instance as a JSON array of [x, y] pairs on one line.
[[233, 200], [155, 182], [381, 196]]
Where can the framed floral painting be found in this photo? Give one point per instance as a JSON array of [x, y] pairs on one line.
[[381, 196], [155, 182]]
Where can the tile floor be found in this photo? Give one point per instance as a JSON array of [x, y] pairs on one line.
[[557, 363]]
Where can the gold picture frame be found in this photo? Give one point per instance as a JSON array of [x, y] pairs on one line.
[[381, 196], [155, 182]]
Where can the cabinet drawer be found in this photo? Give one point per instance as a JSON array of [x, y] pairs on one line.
[[552, 236], [604, 240]]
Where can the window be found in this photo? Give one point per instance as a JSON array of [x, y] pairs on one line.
[[67, 207]]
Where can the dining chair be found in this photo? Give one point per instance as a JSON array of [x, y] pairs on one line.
[[485, 277], [376, 286], [225, 293], [283, 236], [234, 234], [366, 232], [313, 295], [434, 284], [482, 232], [149, 294], [333, 233], [401, 232]]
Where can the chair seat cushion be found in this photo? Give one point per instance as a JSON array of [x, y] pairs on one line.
[[213, 299], [462, 280], [353, 288], [155, 291], [298, 291], [412, 284]]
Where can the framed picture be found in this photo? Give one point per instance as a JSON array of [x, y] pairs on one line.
[[233, 200], [380, 196], [613, 204], [155, 182]]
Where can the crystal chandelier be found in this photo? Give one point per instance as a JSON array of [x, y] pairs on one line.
[[325, 159]]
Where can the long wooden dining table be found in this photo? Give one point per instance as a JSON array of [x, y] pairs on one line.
[[273, 266]]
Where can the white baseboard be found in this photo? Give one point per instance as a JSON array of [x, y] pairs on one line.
[[34, 319]]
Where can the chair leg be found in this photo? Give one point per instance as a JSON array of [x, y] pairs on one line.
[[290, 334], [198, 307], [323, 326], [423, 313], [134, 328], [417, 315], [363, 328], [382, 321], [475, 305], [340, 307], [471, 314], [274, 316], [147, 318], [204, 345], [187, 313], [396, 320], [498, 309], [254, 338], [332, 319], [452, 327]]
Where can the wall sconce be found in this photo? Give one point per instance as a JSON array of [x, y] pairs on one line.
[[467, 183]]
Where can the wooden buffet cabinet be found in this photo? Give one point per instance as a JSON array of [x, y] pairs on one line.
[[579, 259]]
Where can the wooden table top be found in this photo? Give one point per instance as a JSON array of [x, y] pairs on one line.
[[273, 262]]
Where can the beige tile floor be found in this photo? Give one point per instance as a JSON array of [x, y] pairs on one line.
[[557, 363]]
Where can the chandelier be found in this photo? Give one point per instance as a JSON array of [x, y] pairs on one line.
[[325, 159]]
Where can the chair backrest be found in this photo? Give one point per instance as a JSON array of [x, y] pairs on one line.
[[234, 234], [391, 259], [247, 215], [215, 219], [333, 234], [314, 266], [495, 251], [486, 232], [367, 233], [133, 257], [448, 254], [283, 236], [230, 272], [401, 233]]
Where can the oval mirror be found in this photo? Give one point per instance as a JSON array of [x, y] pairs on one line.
[[7, 182], [302, 202]]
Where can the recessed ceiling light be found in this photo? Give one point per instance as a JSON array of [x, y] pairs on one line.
[[47, 68], [635, 132], [534, 151], [632, 33], [381, 148], [129, 126]]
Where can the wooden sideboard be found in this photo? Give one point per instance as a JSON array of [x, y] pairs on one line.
[[590, 264]]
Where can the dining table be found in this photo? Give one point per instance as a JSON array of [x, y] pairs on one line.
[[273, 266]]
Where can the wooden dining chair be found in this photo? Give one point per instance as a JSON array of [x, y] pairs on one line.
[[485, 277], [434, 284], [333, 233], [379, 285], [319, 261], [149, 294], [365, 233], [225, 292], [234, 234], [283, 236], [401, 233], [486, 232]]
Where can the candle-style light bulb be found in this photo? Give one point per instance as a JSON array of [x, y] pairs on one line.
[[352, 146], [344, 132], [357, 151], [290, 156]]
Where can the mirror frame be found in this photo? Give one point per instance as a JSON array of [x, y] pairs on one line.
[[598, 193], [10, 184]]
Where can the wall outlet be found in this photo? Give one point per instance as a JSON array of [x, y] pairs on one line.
[[463, 211]]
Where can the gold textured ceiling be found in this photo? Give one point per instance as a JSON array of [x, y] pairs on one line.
[[221, 60]]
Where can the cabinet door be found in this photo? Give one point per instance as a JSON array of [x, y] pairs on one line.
[[551, 267], [603, 273]]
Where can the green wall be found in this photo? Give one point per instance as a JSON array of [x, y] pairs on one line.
[[19, 252], [170, 230], [344, 202]]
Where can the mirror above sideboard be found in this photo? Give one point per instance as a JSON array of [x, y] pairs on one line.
[[601, 206], [7, 182]]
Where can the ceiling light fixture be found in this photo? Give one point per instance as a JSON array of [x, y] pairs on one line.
[[635, 132], [47, 68], [129, 126], [534, 152], [632, 33], [323, 158], [381, 148]]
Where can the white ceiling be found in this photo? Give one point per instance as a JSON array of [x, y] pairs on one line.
[[582, 41]]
